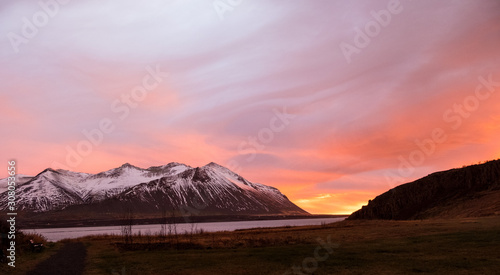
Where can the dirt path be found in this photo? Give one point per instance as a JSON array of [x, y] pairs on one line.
[[70, 259]]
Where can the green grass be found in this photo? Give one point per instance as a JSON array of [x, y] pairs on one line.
[[27, 260], [215, 261], [474, 252], [460, 246], [436, 248]]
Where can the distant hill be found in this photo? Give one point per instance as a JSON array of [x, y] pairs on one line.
[[175, 187], [472, 191]]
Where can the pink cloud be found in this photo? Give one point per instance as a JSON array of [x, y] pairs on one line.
[[353, 121]]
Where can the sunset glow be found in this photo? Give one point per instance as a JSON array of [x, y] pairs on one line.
[[265, 91]]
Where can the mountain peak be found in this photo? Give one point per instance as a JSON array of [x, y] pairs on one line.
[[221, 169], [129, 166], [172, 186], [173, 164], [49, 170], [215, 165]]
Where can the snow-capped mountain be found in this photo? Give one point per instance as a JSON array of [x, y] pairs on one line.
[[20, 179], [57, 189], [112, 182], [211, 189]]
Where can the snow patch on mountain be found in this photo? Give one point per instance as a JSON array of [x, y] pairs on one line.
[[53, 189], [173, 186], [19, 180]]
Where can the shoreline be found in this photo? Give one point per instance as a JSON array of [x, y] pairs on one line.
[[43, 224]]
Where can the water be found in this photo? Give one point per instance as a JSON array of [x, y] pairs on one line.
[[56, 234]]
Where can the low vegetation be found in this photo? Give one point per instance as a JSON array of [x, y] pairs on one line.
[[458, 246], [27, 255], [464, 246]]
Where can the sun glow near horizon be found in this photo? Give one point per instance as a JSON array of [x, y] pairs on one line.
[[267, 92]]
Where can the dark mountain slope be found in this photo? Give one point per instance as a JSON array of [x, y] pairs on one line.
[[173, 188], [464, 192], [208, 190]]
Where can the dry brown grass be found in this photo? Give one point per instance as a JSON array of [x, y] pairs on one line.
[[458, 246], [366, 247]]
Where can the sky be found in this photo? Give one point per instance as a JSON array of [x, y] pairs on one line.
[[332, 102]]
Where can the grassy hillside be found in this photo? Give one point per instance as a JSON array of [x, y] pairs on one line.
[[472, 191]]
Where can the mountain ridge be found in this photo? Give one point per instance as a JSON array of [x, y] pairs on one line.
[[167, 187], [470, 191]]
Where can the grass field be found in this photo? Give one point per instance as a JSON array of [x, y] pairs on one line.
[[26, 260], [465, 246]]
